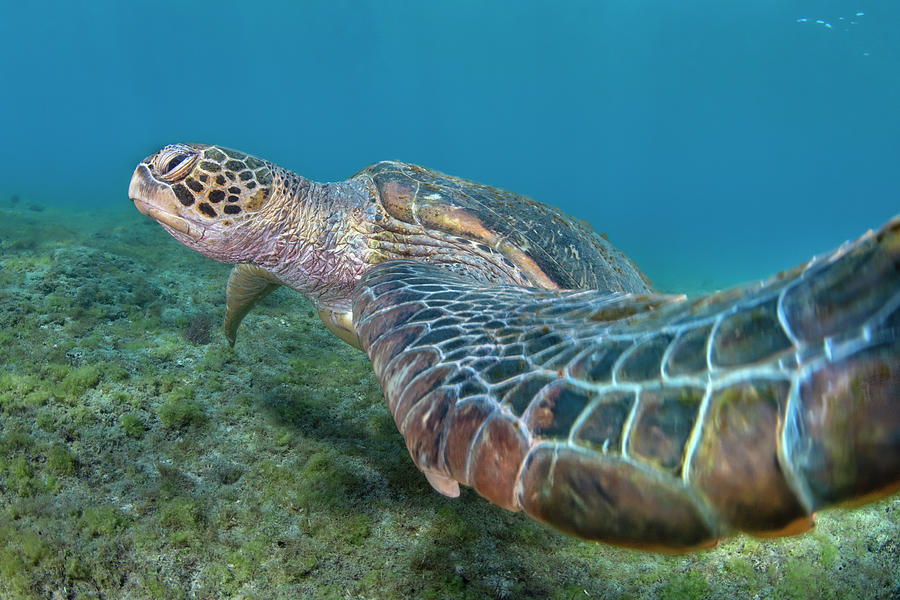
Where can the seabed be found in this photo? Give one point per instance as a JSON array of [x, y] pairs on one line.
[[141, 457]]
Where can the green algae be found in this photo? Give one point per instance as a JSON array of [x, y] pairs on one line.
[[180, 409], [687, 586], [135, 463], [61, 461], [132, 425], [78, 381]]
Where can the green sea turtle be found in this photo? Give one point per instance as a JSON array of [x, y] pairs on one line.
[[521, 354]]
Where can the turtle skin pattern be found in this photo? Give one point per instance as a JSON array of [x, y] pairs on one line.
[[647, 420]]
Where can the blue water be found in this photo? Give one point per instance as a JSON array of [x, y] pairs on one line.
[[713, 141]]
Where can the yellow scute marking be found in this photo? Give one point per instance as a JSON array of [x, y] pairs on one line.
[[460, 221], [257, 200]]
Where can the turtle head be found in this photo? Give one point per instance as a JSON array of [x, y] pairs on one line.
[[205, 196]]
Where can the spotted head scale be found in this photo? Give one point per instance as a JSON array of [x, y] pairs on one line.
[[199, 191]]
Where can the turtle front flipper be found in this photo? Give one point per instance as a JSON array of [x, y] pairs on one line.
[[649, 421], [247, 285]]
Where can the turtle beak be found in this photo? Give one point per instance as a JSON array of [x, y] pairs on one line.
[[158, 202]]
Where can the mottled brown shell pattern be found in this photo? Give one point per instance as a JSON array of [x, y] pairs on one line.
[[647, 420], [552, 248]]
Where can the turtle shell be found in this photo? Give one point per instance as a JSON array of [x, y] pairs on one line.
[[552, 248]]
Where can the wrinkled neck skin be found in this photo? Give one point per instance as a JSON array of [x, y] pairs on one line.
[[311, 236]]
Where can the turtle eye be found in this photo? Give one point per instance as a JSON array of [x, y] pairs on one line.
[[174, 162]]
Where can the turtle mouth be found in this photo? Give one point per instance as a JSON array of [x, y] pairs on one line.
[[158, 203]]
